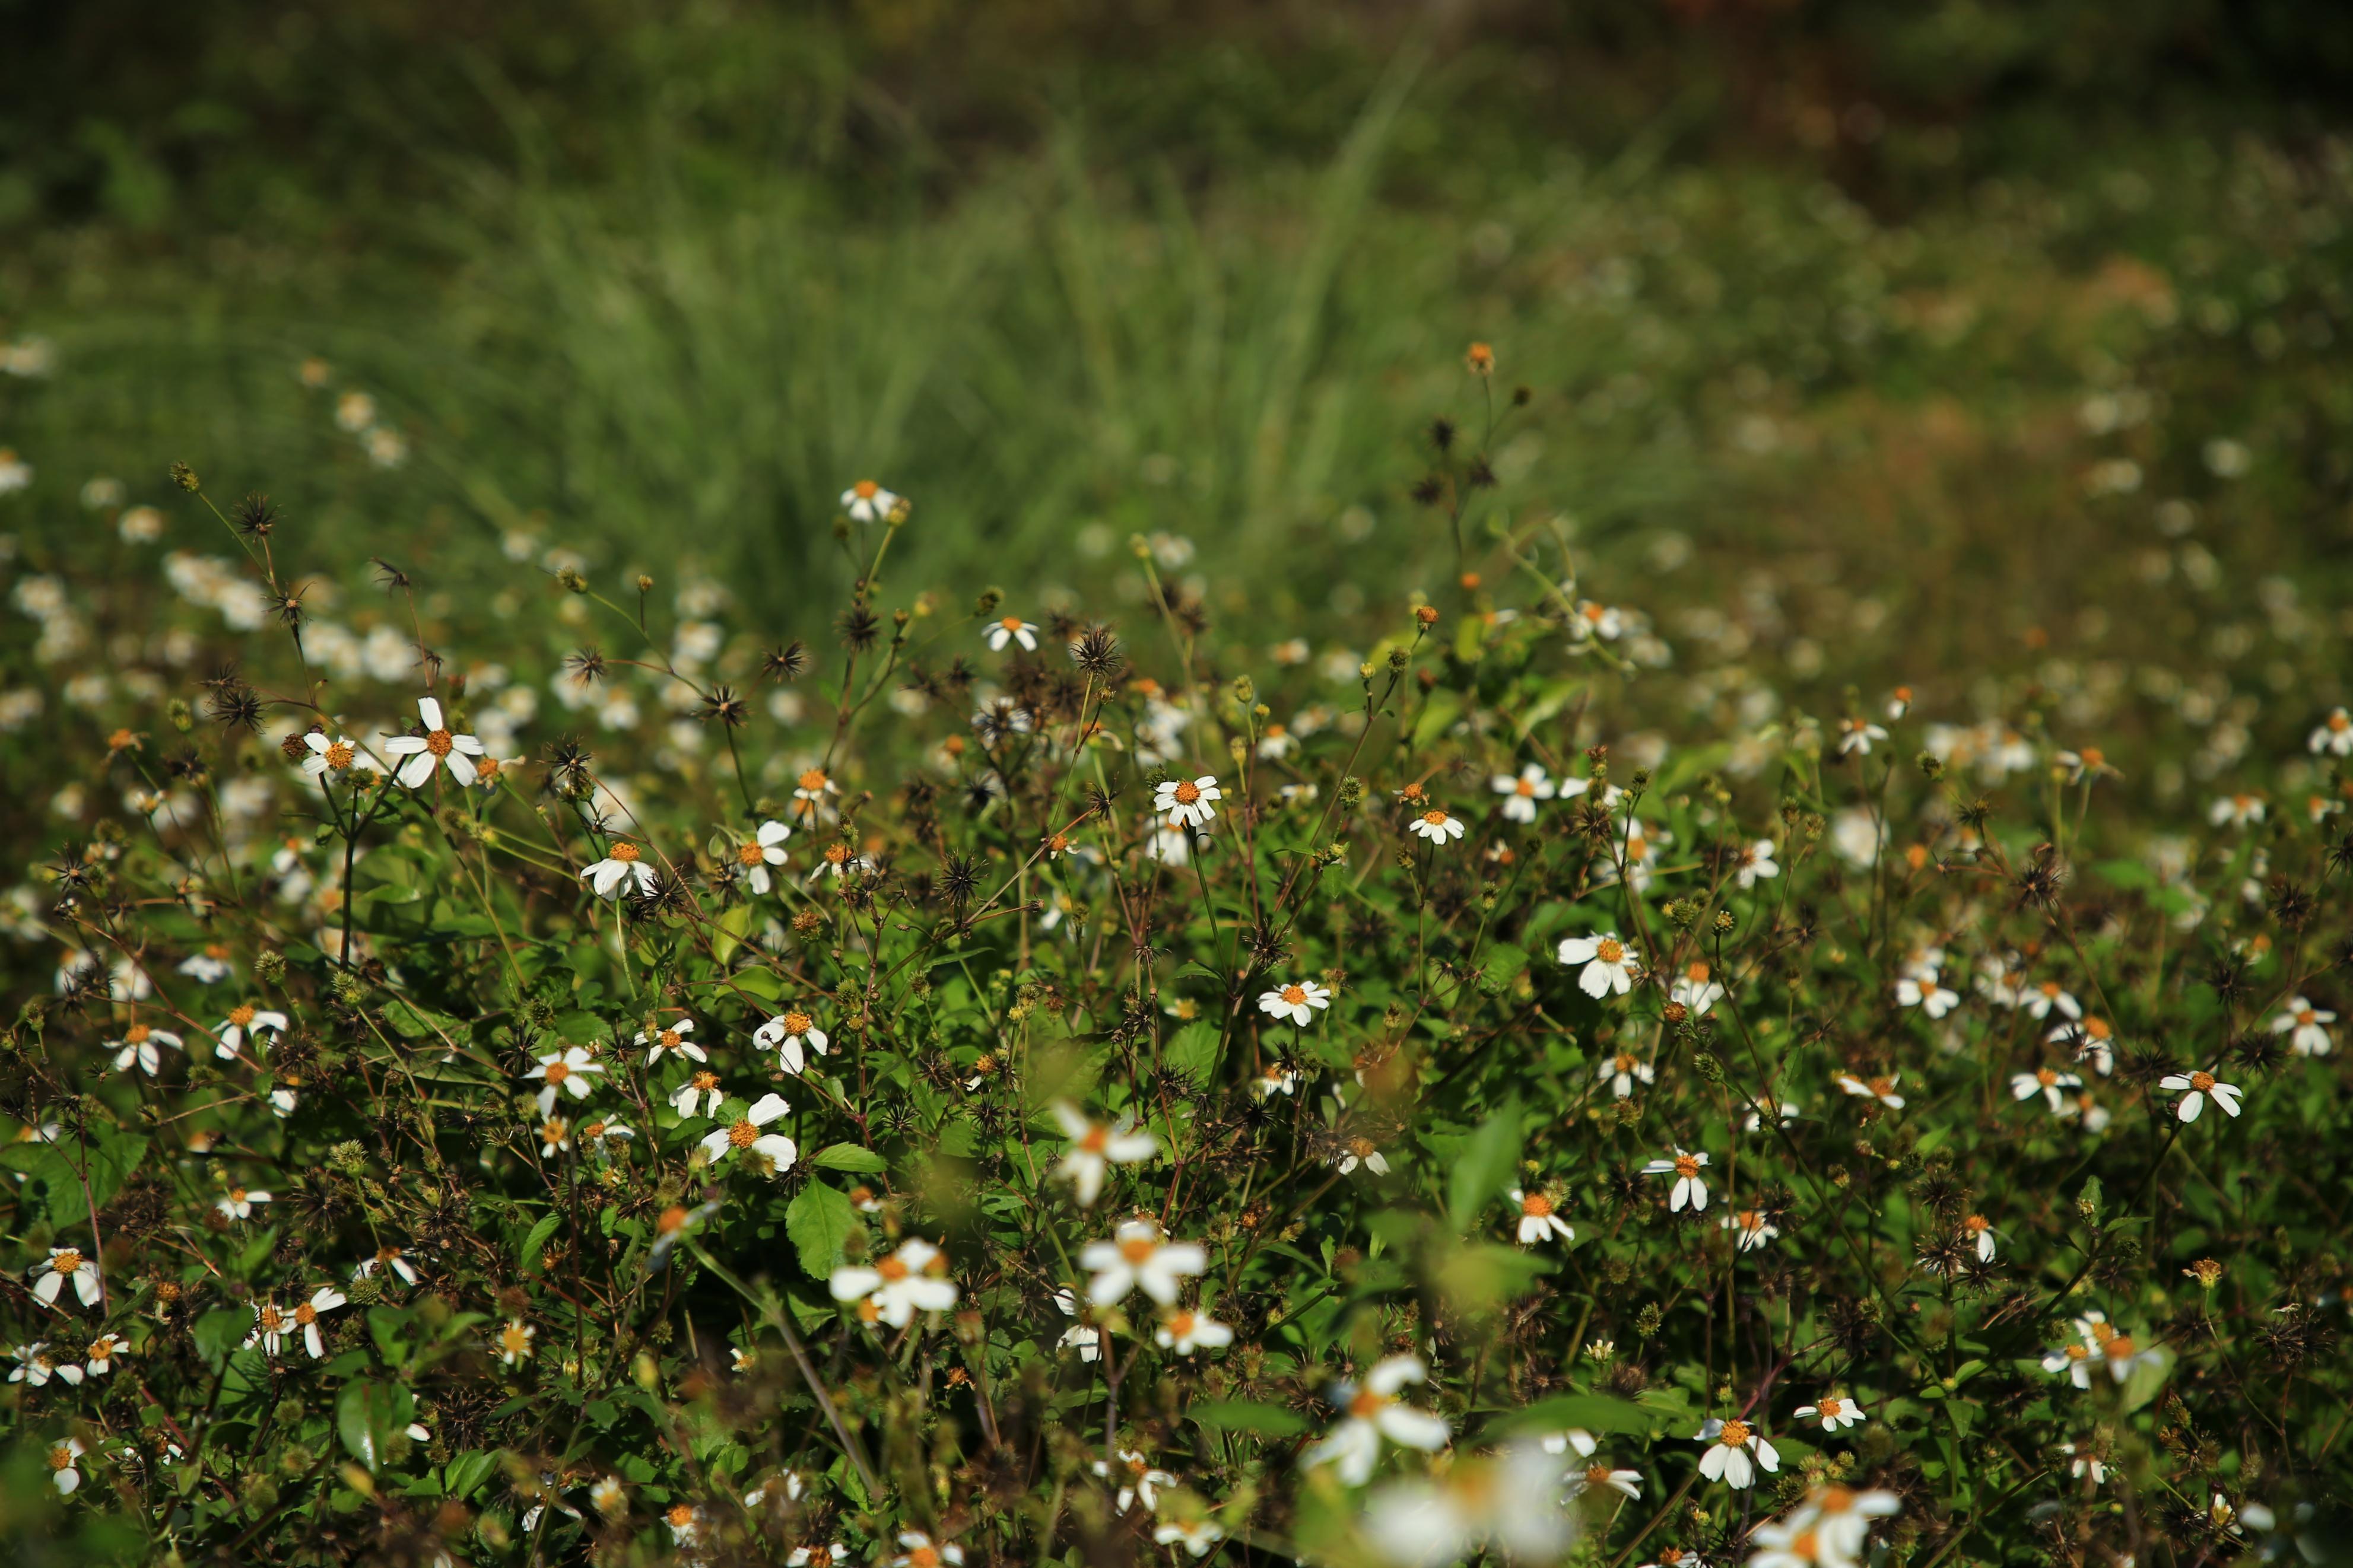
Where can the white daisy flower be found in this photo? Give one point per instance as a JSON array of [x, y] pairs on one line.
[[1695, 991], [1139, 1255], [1622, 1072], [761, 850], [140, 1042], [1360, 1150], [64, 1263], [1752, 863], [65, 1471], [103, 1353], [1083, 1337], [436, 748], [867, 502], [1736, 1451], [1981, 1234], [244, 1021], [1012, 628], [1299, 1002], [2050, 1084], [702, 1087], [1835, 1411], [745, 1134], [388, 1258], [563, 1072], [1136, 1480], [1750, 1229], [669, 1038], [1920, 990], [2304, 1024], [917, 1552], [2196, 1088], [1096, 1149], [1185, 1332], [2334, 734], [1609, 963], [1540, 1218], [1187, 803], [2236, 811], [1881, 1089], [1436, 825], [623, 864], [1521, 791], [1855, 736], [1373, 1412], [910, 1280], [325, 1299], [336, 755], [238, 1202], [1690, 1188], [790, 1034]]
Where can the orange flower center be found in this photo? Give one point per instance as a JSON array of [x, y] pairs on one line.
[[923, 1557], [2050, 988], [1750, 1219], [2119, 1347], [306, 1314], [1362, 1148], [797, 1023], [239, 1017], [836, 854], [2077, 1352], [891, 1268], [2201, 1081], [1181, 1324], [1186, 791], [1882, 1086], [680, 1516], [1138, 1249], [1011, 623], [65, 1262], [1978, 1224], [704, 1081], [1734, 1434], [1535, 1203], [626, 854], [1526, 787], [1610, 950], [1095, 1140], [1627, 1062], [740, 1136], [1686, 1165], [2046, 1077], [440, 743], [557, 1072], [340, 754], [751, 855], [1434, 817], [2096, 1027], [814, 779], [137, 1033], [61, 1457], [1597, 1476], [1366, 1404], [1293, 995], [515, 1339], [271, 1319], [865, 490], [1697, 974], [554, 1131]]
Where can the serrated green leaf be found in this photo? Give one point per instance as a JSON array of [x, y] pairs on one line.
[[819, 1220], [535, 1243], [851, 1157]]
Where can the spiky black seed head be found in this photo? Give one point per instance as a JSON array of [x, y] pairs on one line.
[[389, 577], [858, 628], [1097, 652], [786, 663], [586, 665], [724, 706], [255, 516]]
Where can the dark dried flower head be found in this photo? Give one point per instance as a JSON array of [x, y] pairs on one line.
[[858, 627], [1429, 491], [960, 879], [389, 577], [1097, 653], [722, 704], [255, 517], [236, 707], [786, 663], [586, 665], [1441, 434]]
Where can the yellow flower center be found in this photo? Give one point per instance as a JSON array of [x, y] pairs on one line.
[[2201, 1081], [340, 754], [61, 1457], [440, 743], [137, 1033], [305, 1315], [797, 1023], [814, 780], [1186, 791], [1537, 1204], [1597, 1476], [271, 1319], [514, 1339], [680, 1516], [65, 1262], [2077, 1352], [1734, 1434], [1362, 1148], [1627, 1062], [239, 1017], [557, 1072], [751, 855], [1293, 995], [626, 854], [1686, 1164], [1609, 950], [1138, 1249], [740, 1136], [1434, 817], [554, 1131]]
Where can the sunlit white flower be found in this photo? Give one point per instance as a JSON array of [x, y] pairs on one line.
[[140, 1042], [1359, 1150], [1607, 963], [789, 1034], [64, 1263], [554, 1137], [1783, 1110], [34, 1367], [1521, 791], [2196, 1088], [327, 756], [867, 502], [1881, 1089], [1694, 992], [2236, 811], [566, 1071], [1012, 628], [1187, 803], [2042, 1001], [810, 793], [1273, 1080], [761, 850], [1082, 1336], [1196, 1536], [701, 1088], [1540, 1218], [2083, 1464], [325, 1299], [1753, 862], [244, 1021], [1139, 1255], [65, 1468], [513, 1342], [1750, 1228], [1622, 1070], [387, 1257], [436, 748], [102, 1353], [1736, 1451], [1923, 992], [743, 1135], [1855, 736], [624, 863], [1690, 1188], [2334, 734], [209, 967], [1827, 1530], [669, 1038], [1835, 1411], [1509, 1504], [2050, 1084], [1372, 1412], [1299, 1002], [2304, 1024], [238, 1202], [1137, 1480], [1096, 1149], [1981, 1234], [1186, 1333], [910, 1280], [1436, 825]]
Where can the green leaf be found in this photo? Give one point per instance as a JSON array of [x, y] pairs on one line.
[[820, 1221], [1247, 1416], [1483, 1168], [467, 1472], [220, 1331], [113, 1156], [2147, 1378], [536, 1242], [1192, 1050], [852, 1157], [1437, 717], [367, 1414]]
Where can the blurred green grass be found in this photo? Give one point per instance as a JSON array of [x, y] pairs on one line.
[[1746, 372]]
